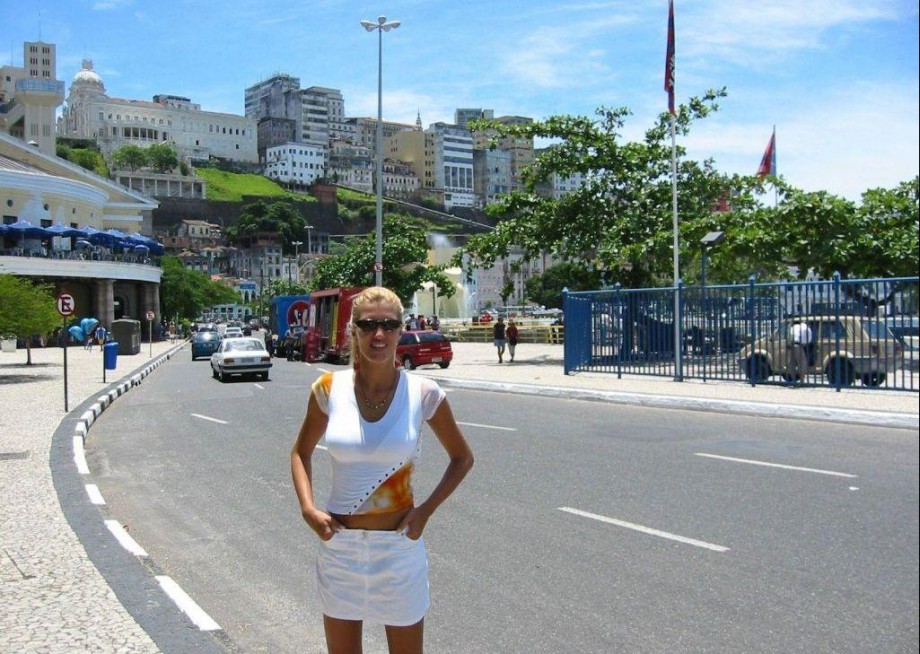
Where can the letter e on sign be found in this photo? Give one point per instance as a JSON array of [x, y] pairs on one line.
[[65, 304]]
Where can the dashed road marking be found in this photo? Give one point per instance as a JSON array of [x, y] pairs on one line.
[[187, 605], [777, 465], [476, 424], [645, 530], [121, 535], [220, 422]]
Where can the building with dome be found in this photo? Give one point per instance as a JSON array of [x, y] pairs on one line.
[[40, 188], [112, 123]]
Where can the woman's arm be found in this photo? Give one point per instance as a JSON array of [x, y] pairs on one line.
[[311, 431], [461, 460]]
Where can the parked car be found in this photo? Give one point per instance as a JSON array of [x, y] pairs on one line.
[[205, 343], [240, 356], [844, 348], [421, 348], [233, 332]]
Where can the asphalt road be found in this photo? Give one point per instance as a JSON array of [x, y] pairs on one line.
[[584, 527]]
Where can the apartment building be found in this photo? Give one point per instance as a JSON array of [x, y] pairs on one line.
[[453, 164], [300, 164], [491, 174]]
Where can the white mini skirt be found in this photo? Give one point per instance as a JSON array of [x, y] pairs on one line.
[[375, 576]]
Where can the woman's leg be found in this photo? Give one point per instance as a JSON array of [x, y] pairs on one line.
[[343, 636], [406, 640]]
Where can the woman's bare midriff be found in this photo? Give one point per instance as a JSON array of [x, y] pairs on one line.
[[373, 521]]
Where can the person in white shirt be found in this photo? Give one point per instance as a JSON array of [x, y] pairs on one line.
[[797, 351], [371, 561]]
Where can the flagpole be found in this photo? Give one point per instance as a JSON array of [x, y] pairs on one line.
[[678, 369]]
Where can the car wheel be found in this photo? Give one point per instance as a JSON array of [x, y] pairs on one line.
[[840, 367], [193, 357], [757, 369], [213, 372], [222, 376], [873, 379], [264, 376], [444, 364], [408, 364]]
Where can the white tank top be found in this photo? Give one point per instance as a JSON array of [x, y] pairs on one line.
[[372, 462]]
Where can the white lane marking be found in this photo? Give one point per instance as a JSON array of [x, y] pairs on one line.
[[79, 455], [322, 447], [94, 495], [777, 465], [220, 422], [122, 537], [645, 530], [476, 424], [259, 386], [187, 605], [321, 369]]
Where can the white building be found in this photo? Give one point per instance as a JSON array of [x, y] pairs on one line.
[[453, 164], [116, 122], [300, 164], [30, 95]]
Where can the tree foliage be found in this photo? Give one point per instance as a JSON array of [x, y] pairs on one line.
[[162, 157], [546, 289], [279, 218], [405, 268], [130, 157], [27, 309], [620, 221], [185, 293]]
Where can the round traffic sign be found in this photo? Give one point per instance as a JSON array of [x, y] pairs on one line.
[[151, 315], [66, 304]]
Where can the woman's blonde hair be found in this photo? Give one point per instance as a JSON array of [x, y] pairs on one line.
[[372, 295]]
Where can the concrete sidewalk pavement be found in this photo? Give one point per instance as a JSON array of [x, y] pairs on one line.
[[54, 597]]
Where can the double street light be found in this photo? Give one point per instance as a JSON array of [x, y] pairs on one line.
[[380, 26]]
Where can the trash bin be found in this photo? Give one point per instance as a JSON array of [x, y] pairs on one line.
[[110, 355]]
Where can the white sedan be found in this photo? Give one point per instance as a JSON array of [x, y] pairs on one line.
[[240, 356], [233, 332]]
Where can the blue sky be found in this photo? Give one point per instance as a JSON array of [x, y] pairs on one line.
[[838, 78]]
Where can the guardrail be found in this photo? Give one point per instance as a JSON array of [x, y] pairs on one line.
[[862, 331]]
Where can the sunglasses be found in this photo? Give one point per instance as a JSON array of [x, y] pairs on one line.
[[370, 326]]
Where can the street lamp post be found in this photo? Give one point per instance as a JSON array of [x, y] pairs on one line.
[[296, 245], [380, 26], [710, 240]]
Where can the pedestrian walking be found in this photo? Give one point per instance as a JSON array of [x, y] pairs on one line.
[[372, 565], [498, 337], [512, 335]]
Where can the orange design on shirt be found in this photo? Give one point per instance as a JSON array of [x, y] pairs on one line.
[[392, 495]]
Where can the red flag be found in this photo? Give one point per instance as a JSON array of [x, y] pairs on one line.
[[768, 163], [669, 59]]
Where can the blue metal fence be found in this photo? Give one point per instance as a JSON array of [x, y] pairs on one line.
[[861, 332]]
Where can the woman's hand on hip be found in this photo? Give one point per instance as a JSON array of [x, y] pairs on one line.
[[322, 523]]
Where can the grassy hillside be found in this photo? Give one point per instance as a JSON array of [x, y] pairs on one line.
[[232, 187]]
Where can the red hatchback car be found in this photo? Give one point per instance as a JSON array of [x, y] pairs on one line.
[[423, 348]]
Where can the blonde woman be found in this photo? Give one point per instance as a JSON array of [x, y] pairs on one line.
[[372, 565]]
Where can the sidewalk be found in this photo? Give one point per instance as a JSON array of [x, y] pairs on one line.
[[55, 599]]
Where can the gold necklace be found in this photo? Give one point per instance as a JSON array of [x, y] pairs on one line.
[[378, 405]]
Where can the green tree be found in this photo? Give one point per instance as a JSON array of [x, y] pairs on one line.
[[546, 289], [279, 218], [27, 310], [620, 219], [405, 252], [185, 293], [162, 157], [129, 157]]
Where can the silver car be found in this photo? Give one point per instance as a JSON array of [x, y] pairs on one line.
[[240, 356]]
